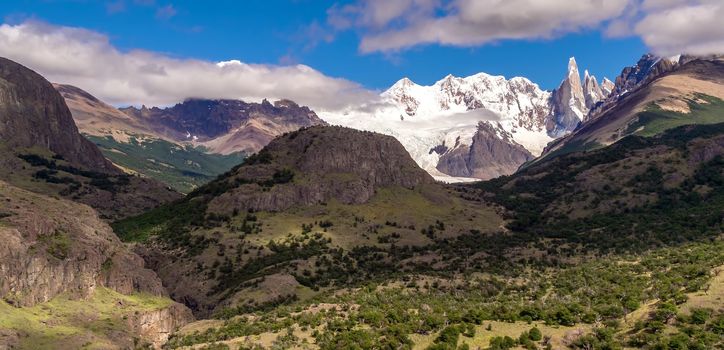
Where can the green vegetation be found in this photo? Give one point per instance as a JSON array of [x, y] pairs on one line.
[[703, 109], [455, 311], [56, 171], [675, 215], [56, 244], [98, 322], [579, 266], [184, 168]]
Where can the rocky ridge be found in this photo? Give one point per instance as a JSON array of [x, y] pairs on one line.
[[33, 114], [55, 247], [670, 91], [225, 126], [316, 165]]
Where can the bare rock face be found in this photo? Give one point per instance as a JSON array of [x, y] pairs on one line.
[[315, 165], [492, 153], [569, 103], [648, 68], [156, 326], [607, 87], [592, 92], [54, 246], [33, 113]]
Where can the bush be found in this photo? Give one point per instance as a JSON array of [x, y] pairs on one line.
[[535, 334]]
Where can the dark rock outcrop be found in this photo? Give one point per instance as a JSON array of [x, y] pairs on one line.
[[35, 121], [33, 113], [492, 153], [315, 165]]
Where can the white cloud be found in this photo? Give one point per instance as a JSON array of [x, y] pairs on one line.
[[666, 26], [676, 26], [88, 60], [399, 24]]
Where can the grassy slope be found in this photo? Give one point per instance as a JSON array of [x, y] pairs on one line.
[[183, 168], [629, 264], [64, 323], [704, 109], [358, 244], [558, 302]]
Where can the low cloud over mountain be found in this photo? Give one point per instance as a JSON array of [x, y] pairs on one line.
[[87, 59]]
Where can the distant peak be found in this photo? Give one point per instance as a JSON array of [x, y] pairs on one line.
[[404, 83], [448, 79], [573, 68], [572, 63]]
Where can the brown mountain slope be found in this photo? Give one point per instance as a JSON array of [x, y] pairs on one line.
[[95, 117], [41, 150], [689, 94], [315, 208], [56, 251], [225, 126], [32, 114]]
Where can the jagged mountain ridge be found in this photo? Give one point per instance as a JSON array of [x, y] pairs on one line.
[[186, 145], [649, 98], [226, 126], [438, 123]]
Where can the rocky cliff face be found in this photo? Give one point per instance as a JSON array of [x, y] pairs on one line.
[[492, 153], [54, 246], [41, 150], [569, 102], [315, 165], [33, 113], [156, 326]]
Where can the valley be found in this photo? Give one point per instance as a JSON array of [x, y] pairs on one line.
[[224, 224]]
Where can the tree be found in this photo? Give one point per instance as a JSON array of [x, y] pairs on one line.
[[535, 334]]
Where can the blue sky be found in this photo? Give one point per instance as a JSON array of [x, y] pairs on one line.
[[294, 31]]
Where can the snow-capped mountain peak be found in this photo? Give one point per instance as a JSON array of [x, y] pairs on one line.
[[447, 126]]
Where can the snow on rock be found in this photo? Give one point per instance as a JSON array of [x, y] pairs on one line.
[[433, 121]]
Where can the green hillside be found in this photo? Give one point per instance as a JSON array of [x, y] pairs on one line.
[[181, 167], [614, 248], [704, 109]]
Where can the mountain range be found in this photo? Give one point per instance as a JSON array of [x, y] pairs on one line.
[[481, 126], [601, 227], [458, 129]]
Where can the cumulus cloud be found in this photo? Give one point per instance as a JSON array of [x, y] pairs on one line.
[[666, 26], [88, 60], [676, 26], [391, 25]]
